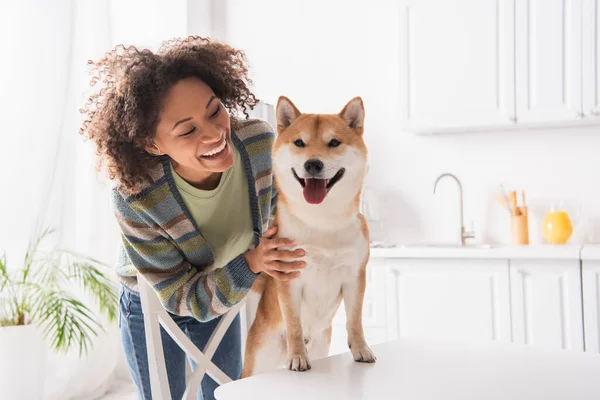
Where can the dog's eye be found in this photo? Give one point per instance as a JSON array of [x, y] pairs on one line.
[[334, 143], [299, 143]]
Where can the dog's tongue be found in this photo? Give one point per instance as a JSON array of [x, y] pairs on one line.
[[315, 190]]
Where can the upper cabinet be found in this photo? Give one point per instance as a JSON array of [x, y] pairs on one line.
[[456, 63], [474, 65], [548, 60], [591, 59]]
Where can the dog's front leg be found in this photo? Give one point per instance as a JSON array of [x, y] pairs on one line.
[[290, 298], [354, 292]]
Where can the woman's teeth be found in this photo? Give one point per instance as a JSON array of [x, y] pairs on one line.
[[216, 150]]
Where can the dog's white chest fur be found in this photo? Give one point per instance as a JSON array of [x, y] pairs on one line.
[[333, 257]]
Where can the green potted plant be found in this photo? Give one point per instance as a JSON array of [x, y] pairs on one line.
[[39, 308]]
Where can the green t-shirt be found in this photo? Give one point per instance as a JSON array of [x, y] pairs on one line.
[[223, 214]]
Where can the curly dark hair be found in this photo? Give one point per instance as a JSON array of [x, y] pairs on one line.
[[128, 84]]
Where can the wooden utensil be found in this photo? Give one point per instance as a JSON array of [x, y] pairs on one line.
[[506, 200], [500, 199], [512, 201]]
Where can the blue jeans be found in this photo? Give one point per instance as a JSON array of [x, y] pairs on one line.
[[228, 356]]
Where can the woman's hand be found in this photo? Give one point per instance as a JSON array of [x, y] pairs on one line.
[[268, 259]]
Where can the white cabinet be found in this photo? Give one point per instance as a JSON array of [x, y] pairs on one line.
[[460, 299], [456, 63], [546, 303], [548, 60], [591, 59], [522, 299], [472, 65], [591, 304]]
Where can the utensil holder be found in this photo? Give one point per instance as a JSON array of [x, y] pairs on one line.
[[519, 229]]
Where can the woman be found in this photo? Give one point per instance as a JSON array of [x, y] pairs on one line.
[[193, 196]]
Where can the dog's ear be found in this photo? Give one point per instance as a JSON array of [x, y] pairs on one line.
[[286, 113], [354, 114]]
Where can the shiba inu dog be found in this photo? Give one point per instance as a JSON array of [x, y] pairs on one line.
[[319, 163]]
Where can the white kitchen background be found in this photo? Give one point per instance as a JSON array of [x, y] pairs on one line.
[[493, 91], [455, 62]]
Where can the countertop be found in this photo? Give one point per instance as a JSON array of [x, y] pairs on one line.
[[425, 370], [554, 252], [590, 252]]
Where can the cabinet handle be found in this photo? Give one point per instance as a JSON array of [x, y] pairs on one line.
[[581, 115], [513, 119]]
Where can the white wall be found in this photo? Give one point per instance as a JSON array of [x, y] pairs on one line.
[[48, 171], [321, 54]]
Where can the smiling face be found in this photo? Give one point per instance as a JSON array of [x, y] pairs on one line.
[[194, 131], [320, 156]]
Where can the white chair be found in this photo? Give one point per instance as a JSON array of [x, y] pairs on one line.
[[156, 316]]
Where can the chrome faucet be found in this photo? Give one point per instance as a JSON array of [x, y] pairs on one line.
[[463, 233]]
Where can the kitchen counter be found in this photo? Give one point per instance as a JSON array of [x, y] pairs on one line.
[[591, 252], [537, 252]]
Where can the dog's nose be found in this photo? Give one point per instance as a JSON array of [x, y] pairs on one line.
[[313, 167]]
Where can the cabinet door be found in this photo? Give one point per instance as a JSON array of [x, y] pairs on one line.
[[548, 60], [456, 64], [591, 59], [374, 311], [591, 304], [457, 299], [546, 303]]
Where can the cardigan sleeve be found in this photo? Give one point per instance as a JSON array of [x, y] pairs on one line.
[[182, 289]]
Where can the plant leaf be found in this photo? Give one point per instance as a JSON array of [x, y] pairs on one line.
[[39, 291], [32, 250], [98, 284], [4, 276], [66, 321]]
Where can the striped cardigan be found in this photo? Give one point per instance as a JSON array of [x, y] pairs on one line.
[[161, 241]]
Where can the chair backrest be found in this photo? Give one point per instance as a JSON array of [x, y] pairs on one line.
[[156, 316]]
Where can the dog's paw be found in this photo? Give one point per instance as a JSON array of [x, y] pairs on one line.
[[363, 354], [298, 362]]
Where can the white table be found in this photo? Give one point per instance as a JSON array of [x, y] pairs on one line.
[[418, 369]]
